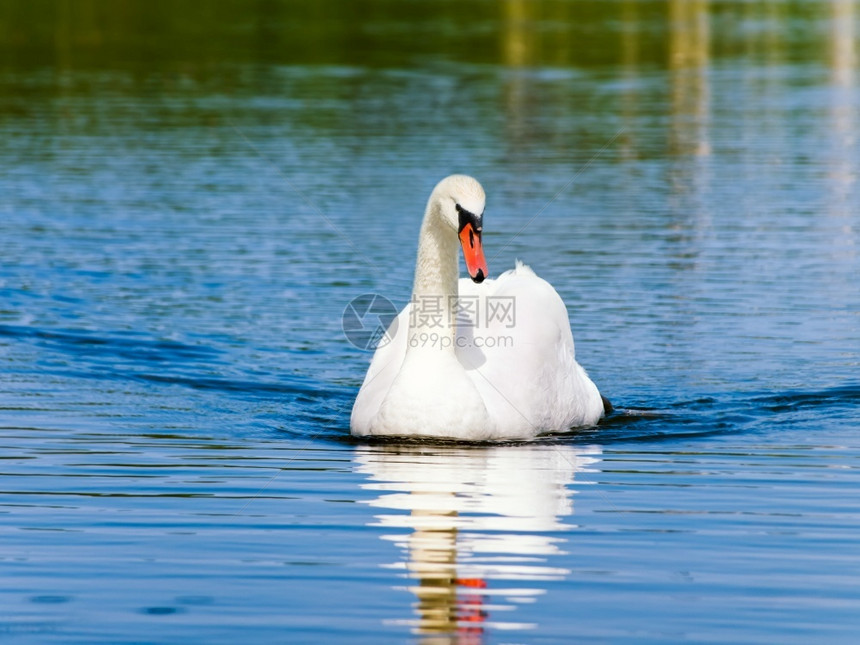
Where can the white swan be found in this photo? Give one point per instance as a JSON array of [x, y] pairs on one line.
[[474, 360]]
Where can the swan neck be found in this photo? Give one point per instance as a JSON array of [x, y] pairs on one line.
[[435, 288]]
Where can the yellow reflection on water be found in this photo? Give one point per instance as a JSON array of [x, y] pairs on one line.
[[689, 47], [843, 115], [690, 123], [516, 36], [477, 528]]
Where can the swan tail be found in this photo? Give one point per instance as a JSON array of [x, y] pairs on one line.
[[607, 406], [522, 269]]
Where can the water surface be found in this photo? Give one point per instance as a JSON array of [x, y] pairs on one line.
[[191, 196]]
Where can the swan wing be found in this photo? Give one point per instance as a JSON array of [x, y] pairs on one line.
[[384, 368], [520, 356]]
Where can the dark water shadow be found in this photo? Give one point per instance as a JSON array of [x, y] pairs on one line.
[[127, 346], [319, 410], [118, 356], [845, 396], [699, 418]]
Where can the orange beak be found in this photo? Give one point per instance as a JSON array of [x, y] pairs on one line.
[[473, 252]]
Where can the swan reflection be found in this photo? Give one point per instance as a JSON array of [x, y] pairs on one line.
[[478, 528]]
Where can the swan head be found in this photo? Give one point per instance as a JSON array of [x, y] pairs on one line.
[[460, 201]]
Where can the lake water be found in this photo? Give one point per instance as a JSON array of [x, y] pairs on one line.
[[191, 195]]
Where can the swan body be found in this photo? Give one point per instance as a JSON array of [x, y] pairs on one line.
[[474, 360]]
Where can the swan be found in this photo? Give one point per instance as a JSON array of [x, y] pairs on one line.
[[474, 360]]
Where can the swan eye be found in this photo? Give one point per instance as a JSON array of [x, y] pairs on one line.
[[468, 217]]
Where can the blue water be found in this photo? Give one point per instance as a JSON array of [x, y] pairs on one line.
[[182, 226]]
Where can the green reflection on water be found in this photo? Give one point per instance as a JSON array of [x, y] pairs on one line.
[[202, 36]]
